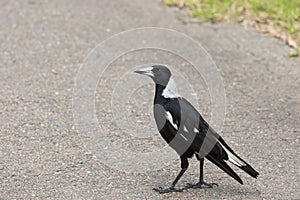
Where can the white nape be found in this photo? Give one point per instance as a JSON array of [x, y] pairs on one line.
[[170, 91]]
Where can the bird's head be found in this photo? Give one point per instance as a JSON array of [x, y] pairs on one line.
[[160, 74]]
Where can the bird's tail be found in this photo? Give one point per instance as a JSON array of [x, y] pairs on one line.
[[223, 165], [238, 161]]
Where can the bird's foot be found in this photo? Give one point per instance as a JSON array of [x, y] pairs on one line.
[[168, 189], [200, 185]]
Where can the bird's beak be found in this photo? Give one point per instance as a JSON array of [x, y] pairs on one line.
[[146, 71]]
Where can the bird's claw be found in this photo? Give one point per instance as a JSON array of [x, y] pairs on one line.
[[168, 189], [200, 185]]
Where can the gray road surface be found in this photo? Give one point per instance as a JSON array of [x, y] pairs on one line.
[[42, 155]]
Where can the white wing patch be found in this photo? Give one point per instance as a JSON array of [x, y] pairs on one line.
[[170, 119], [184, 137], [170, 91], [196, 130], [232, 158], [185, 129]]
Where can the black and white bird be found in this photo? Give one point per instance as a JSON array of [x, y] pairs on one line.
[[185, 130]]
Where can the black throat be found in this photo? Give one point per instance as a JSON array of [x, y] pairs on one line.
[[159, 99]]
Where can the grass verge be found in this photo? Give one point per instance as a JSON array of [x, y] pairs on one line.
[[280, 18]]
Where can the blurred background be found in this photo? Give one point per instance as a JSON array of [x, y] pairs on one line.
[[278, 18]]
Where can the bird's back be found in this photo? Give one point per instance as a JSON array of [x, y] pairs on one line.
[[182, 127]]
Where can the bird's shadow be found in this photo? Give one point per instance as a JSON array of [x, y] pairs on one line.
[[229, 191]]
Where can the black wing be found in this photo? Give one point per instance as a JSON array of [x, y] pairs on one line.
[[181, 125], [187, 132]]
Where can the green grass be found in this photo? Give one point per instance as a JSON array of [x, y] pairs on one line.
[[283, 15]]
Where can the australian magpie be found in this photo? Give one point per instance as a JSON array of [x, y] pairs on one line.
[[185, 130]]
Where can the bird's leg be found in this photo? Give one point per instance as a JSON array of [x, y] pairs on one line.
[[171, 188], [201, 182]]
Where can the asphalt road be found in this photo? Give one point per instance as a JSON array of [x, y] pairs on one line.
[[42, 153]]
